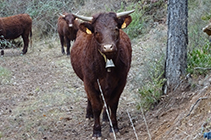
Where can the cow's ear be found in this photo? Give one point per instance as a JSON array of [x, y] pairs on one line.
[[125, 21], [87, 28]]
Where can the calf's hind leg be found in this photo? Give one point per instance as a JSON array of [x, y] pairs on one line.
[[26, 42]]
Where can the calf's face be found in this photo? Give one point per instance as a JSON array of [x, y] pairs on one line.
[[69, 18], [105, 29]]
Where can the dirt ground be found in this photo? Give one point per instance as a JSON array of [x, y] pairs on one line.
[[42, 98]]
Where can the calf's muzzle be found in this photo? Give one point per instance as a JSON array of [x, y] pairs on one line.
[[108, 48]]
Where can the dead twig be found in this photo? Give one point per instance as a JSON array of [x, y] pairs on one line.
[[200, 68], [195, 104], [182, 131]]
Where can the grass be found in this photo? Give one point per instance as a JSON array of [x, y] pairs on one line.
[[37, 114], [5, 75], [143, 18], [199, 60], [198, 10], [151, 89]]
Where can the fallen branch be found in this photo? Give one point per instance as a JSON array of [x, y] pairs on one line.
[[195, 104], [182, 131], [200, 68]]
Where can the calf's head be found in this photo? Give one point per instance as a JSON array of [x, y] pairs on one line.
[[69, 18], [105, 29]]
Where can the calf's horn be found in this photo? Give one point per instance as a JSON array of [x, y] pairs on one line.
[[90, 18], [62, 15], [124, 13], [83, 17]]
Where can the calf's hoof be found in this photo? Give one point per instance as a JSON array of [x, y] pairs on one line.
[[89, 115], [23, 52], [96, 134], [94, 138], [68, 53]]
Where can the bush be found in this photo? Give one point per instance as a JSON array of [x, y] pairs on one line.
[[199, 60], [151, 91], [145, 15], [136, 26], [5, 44], [199, 12]]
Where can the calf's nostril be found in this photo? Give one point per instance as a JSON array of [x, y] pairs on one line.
[[108, 48]]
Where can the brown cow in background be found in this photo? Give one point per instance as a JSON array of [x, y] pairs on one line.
[[14, 26], [67, 28], [102, 51]]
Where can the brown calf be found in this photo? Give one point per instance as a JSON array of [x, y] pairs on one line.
[[102, 51], [67, 28], [14, 26]]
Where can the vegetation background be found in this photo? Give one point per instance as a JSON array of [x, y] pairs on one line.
[[148, 34]]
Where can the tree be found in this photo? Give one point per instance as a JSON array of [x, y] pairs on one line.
[[176, 52]]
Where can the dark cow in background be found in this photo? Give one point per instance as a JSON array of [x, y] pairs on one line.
[[102, 51], [67, 28], [14, 26]]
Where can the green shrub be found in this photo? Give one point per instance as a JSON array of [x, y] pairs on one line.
[[137, 24], [199, 60], [144, 17], [198, 15], [151, 91], [5, 44]]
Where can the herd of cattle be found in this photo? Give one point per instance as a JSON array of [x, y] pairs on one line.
[[101, 52], [100, 55]]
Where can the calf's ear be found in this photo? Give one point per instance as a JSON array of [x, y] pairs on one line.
[[125, 21], [86, 27]]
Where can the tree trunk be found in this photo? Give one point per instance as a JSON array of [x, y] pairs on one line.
[[176, 52]]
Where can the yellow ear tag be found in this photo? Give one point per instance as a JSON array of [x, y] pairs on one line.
[[88, 31], [123, 25]]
